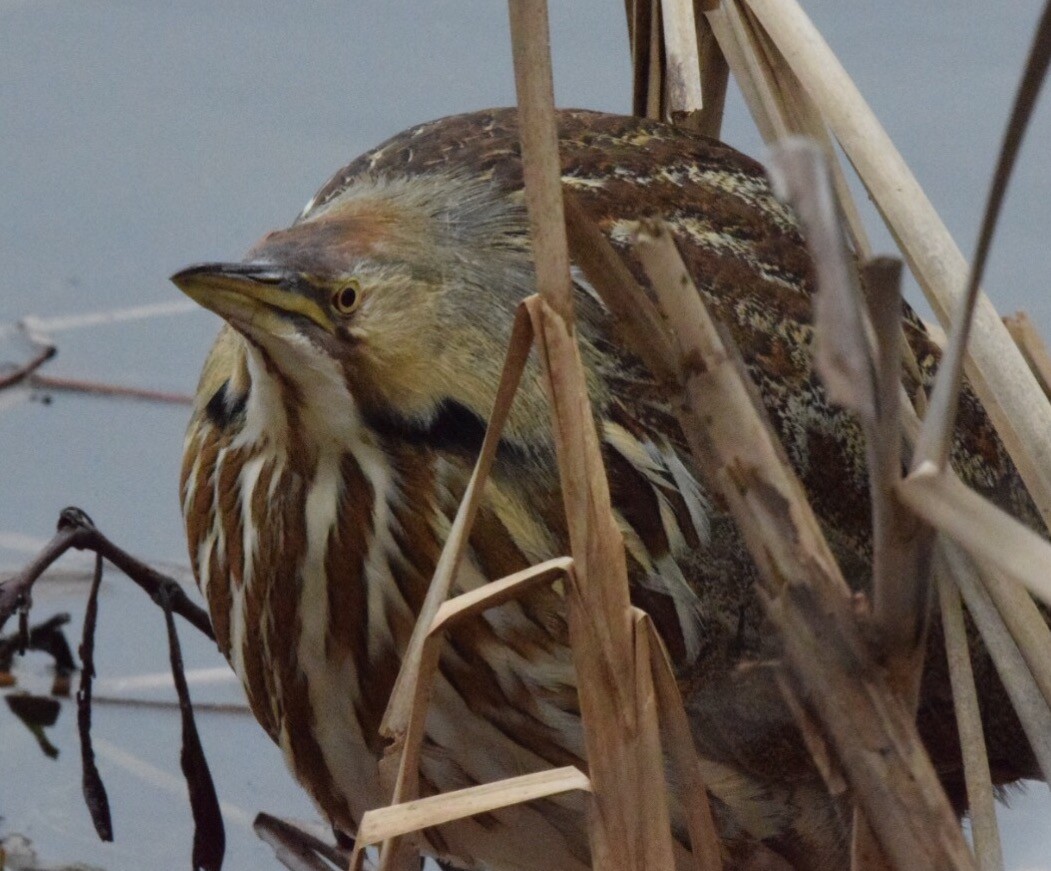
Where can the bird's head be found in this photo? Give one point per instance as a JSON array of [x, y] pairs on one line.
[[388, 305]]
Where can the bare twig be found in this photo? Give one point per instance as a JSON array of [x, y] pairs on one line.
[[115, 391], [44, 352], [76, 531]]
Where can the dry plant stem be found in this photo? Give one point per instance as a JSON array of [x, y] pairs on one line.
[[43, 353], [715, 78], [637, 321], [620, 733], [751, 75], [682, 57], [1025, 623], [637, 13], [453, 611], [76, 531], [987, 532], [799, 115], [704, 839], [806, 598], [655, 81], [541, 169], [1033, 712], [116, 391], [969, 721], [396, 718], [844, 350], [902, 544], [384, 823], [997, 371], [630, 825], [865, 852], [860, 363], [816, 744], [1028, 339]]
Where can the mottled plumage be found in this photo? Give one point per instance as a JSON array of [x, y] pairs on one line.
[[337, 422]]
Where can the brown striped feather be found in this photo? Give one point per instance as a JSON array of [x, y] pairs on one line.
[[508, 674]]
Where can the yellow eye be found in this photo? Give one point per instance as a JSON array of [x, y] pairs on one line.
[[347, 298]]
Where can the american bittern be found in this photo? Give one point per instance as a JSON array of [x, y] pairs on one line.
[[337, 422]]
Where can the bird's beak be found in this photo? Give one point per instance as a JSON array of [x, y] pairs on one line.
[[248, 293]]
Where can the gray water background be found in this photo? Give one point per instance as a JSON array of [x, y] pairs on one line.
[[137, 137]]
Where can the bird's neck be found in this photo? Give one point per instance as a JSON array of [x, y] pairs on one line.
[[300, 405]]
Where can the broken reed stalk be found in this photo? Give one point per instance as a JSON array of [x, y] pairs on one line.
[[985, 531], [1033, 712], [860, 366], [980, 795], [806, 598], [682, 60], [1000, 377], [1032, 346], [779, 104], [715, 79], [620, 727], [859, 360], [1025, 623]]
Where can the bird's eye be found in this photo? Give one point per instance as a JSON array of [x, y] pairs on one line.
[[347, 298]]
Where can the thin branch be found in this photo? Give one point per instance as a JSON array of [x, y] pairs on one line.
[[20, 373], [115, 391], [939, 423], [77, 531]]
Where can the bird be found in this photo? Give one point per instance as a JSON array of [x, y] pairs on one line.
[[337, 421]]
